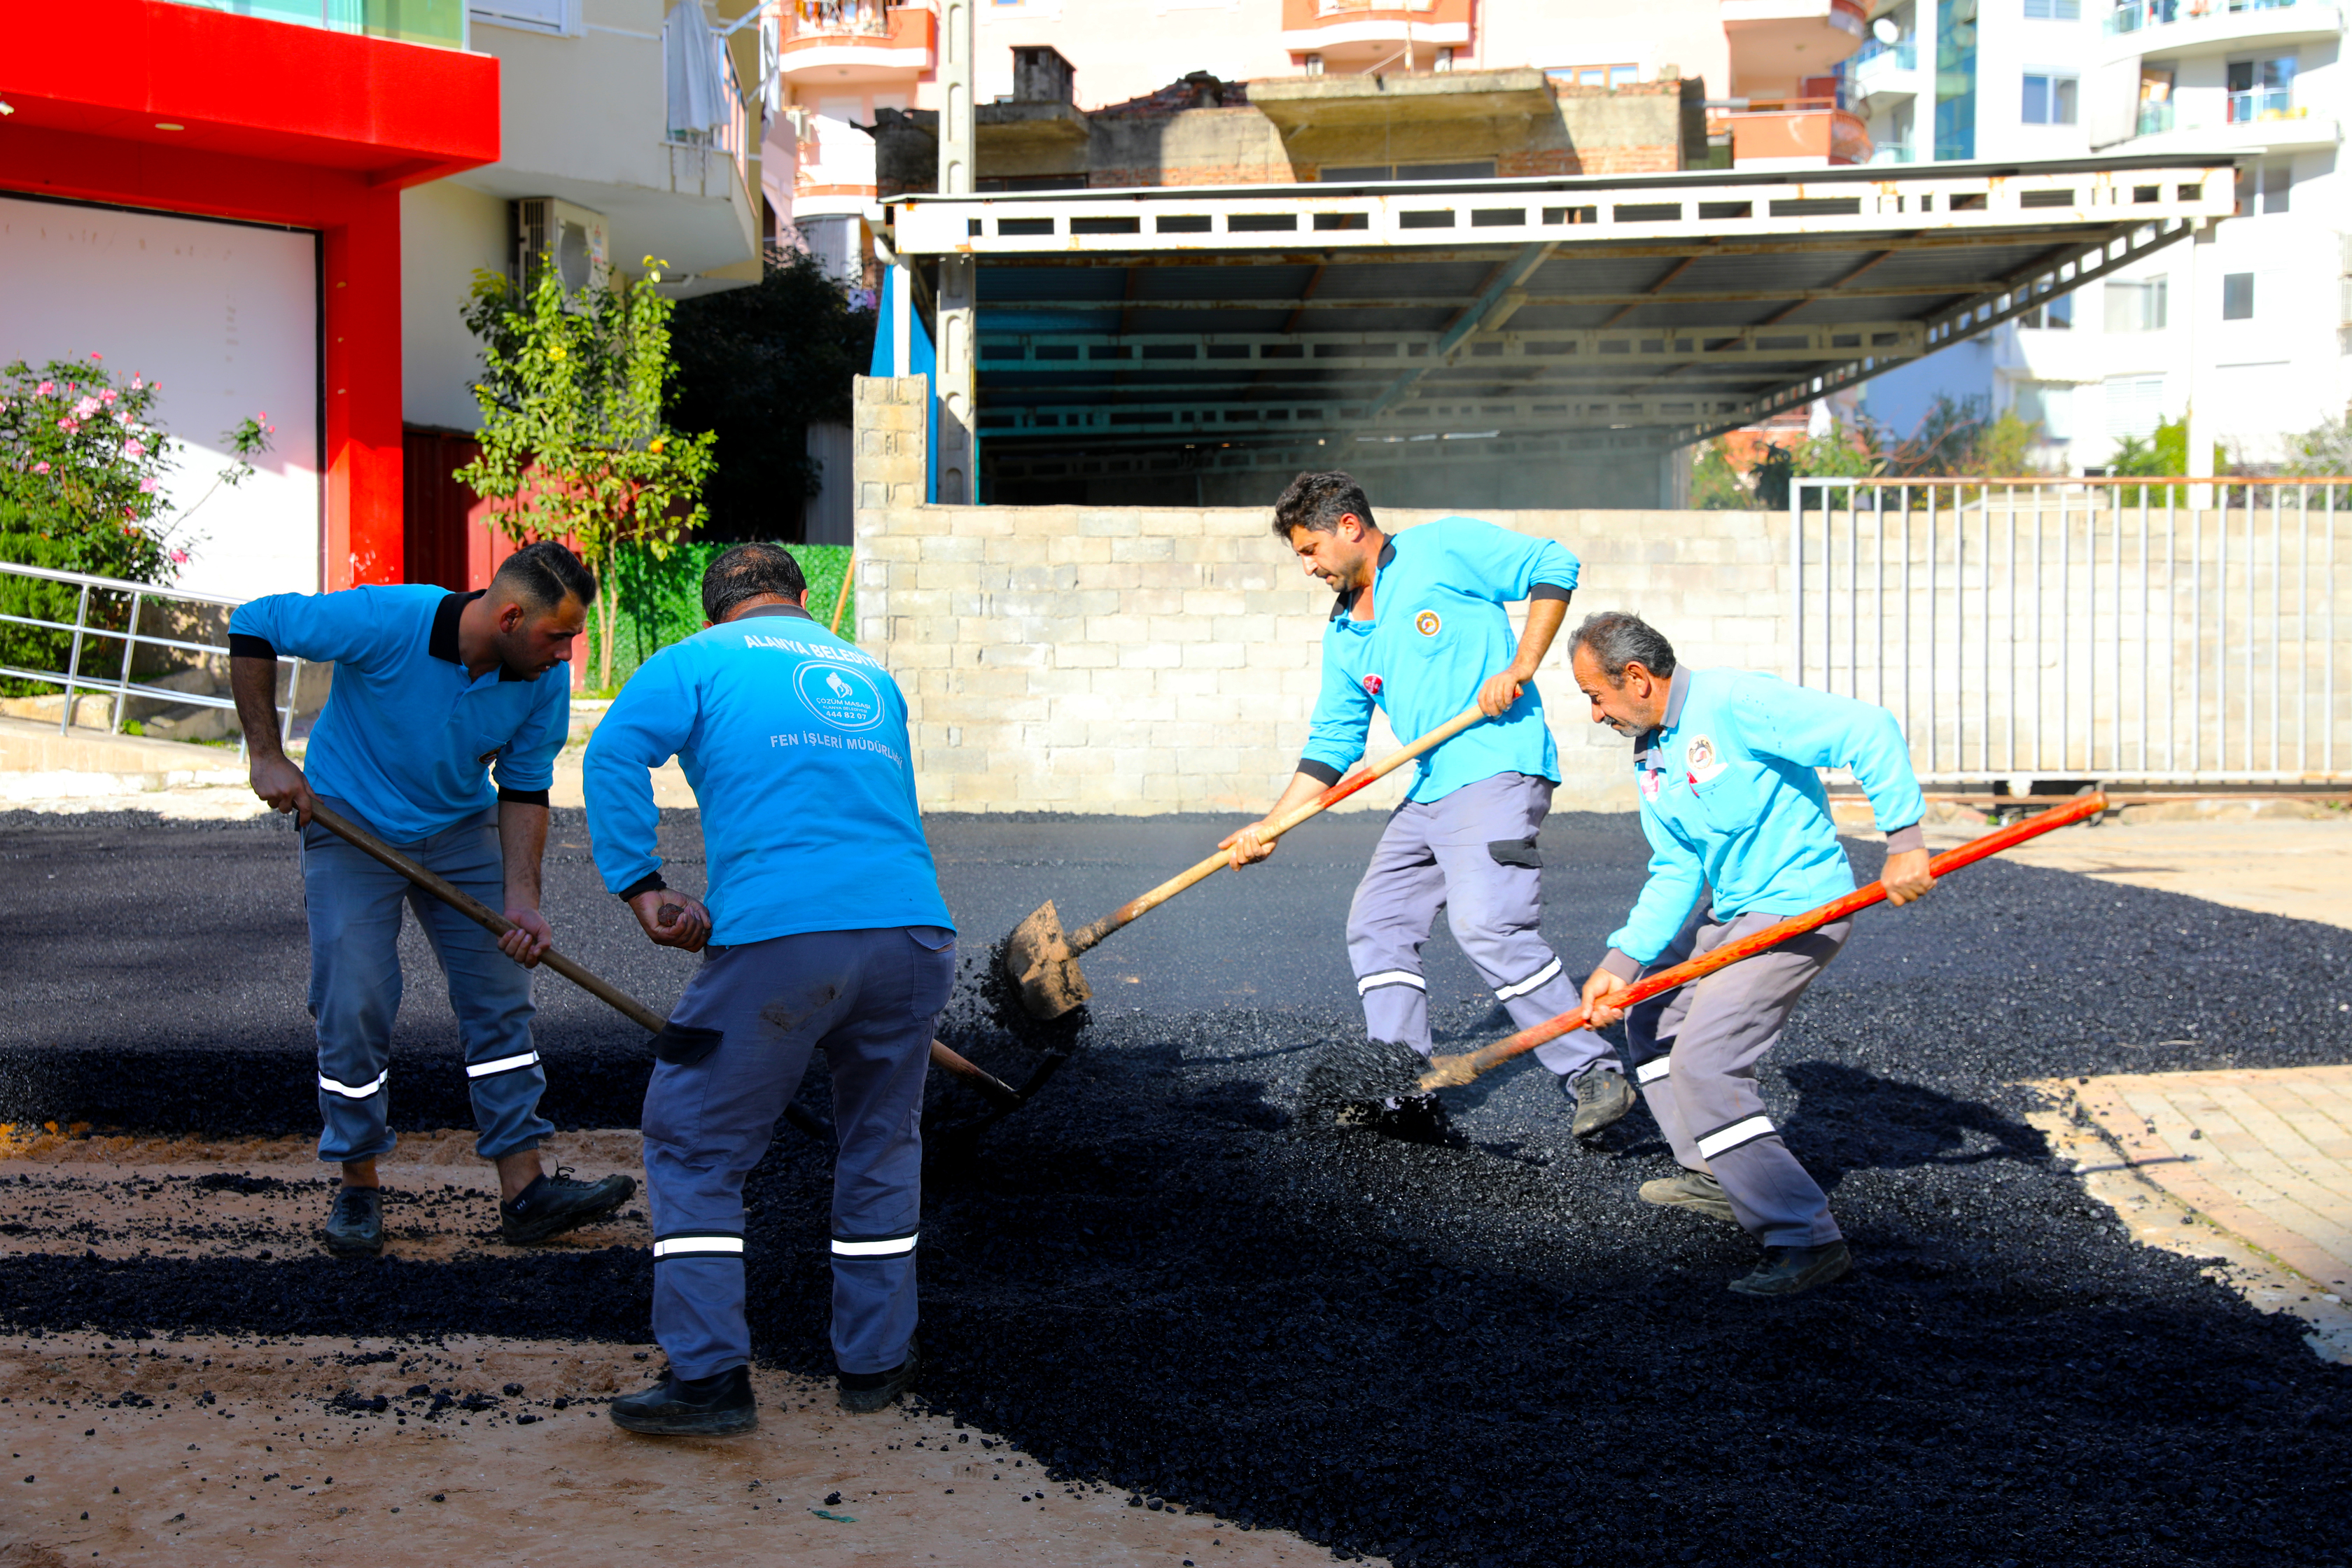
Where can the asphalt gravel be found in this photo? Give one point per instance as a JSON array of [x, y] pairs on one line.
[[1163, 1276]]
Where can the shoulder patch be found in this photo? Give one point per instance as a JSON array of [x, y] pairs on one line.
[[1372, 684], [1427, 623]]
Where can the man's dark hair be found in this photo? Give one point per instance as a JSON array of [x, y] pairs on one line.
[[1617, 639], [1316, 503], [542, 575], [746, 571]]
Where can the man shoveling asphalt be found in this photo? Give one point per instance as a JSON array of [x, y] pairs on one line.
[[826, 932], [1419, 625], [1741, 836], [430, 690]]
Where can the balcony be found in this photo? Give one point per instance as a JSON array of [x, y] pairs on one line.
[[833, 43], [439, 23], [2186, 28], [1780, 40], [2240, 123], [1884, 71], [1792, 133], [1355, 36]]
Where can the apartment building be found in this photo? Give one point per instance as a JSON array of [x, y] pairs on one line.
[[277, 205], [1250, 91], [2243, 330]]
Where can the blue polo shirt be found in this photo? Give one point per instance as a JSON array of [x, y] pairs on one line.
[[408, 739], [1438, 630], [1731, 801], [795, 743]]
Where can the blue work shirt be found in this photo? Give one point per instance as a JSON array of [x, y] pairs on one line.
[[795, 743], [1438, 631], [408, 737], [1730, 800]]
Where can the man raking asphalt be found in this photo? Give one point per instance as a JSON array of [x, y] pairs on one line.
[[432, 692]]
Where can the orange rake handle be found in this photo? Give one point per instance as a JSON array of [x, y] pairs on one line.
[[1453, 1071], [1088, 936]]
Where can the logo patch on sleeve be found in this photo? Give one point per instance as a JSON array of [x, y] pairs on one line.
[[1372, 684], [1427, 624]]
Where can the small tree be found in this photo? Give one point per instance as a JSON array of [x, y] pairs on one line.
[[575, 446]]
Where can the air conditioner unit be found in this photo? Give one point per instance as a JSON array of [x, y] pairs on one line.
[[551, 232]]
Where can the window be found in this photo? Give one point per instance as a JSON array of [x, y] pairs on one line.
[[2134, 405], [1364, 174], [2136, 304], [2237, 296], [537, 15], [2053, 10], [2050, 404], [2261, 89], [2052, 315], [2050, 99], [1598, 76]]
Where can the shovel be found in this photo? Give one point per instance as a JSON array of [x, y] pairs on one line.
[[1042, 960], [1448, 1072], [992, 1089]]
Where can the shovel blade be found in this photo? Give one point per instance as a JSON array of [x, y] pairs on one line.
[[1038, 961]]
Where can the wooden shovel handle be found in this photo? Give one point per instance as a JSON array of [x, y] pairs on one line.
[[1452, 1071], [993, 1089], [1088, 936]]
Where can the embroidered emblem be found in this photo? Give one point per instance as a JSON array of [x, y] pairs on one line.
[[1372, 684], [1700, 757], [1652, 782], [1427, 624]]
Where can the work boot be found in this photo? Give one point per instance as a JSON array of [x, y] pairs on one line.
[[553, 1204], [1793, 1271], [354, 1226], [1695, 1190], [864, 1393], [1603, 1098], [720, 1405]]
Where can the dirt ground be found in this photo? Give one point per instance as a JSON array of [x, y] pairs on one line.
[[289, 1452], [491, 1451]]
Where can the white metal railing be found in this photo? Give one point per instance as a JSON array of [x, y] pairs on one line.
[[2120, 629], [142, 598]]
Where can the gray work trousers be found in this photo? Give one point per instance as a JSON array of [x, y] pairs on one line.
[[1695, 1052], [869, 1000], [1473, 854]]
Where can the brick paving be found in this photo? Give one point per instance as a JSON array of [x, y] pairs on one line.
[[2252, 1168]]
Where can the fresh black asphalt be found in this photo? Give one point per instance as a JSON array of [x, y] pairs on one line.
[[1159, 1278]]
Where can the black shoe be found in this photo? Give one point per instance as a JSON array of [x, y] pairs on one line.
[[553, 1204], [720, 1405], [1603, 1098], [864, 1393], [354, 1226], [1793, 1271]]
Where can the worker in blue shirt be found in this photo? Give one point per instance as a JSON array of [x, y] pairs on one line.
[[1726, 767], [1419, 631], [826, 931], [432, 690]]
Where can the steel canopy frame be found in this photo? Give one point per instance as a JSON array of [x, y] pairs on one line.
[[1670, 307]]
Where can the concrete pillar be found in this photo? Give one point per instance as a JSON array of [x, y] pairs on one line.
[[958, 348], [1923, 105]]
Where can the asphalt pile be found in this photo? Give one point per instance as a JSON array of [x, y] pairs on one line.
[[1175, 1274]]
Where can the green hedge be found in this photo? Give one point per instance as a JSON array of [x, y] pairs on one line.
[[661, 601]]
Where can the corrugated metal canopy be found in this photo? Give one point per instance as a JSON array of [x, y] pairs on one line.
[[1647, 312]]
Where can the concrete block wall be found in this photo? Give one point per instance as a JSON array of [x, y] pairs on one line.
[[1154, 660], [891, 420]]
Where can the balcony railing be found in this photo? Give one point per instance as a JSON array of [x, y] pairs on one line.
[[2137, 15], [2262, 103], [842, 18], [1791, 128], [2154, 119], [1906, 56], [440, 23]]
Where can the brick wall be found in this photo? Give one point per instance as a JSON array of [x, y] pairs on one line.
[[1152, 659]]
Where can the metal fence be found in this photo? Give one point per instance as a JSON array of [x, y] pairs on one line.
[[125, 637], [2118, 629]]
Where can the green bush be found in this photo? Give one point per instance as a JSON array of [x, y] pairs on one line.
[[660, 601]]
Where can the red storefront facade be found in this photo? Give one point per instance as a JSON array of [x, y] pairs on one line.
[[152, 105]]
